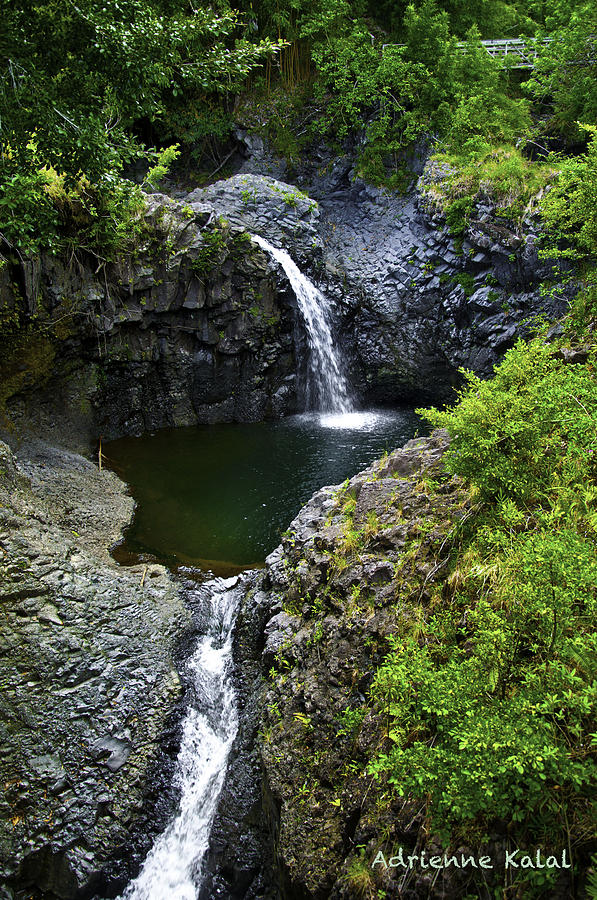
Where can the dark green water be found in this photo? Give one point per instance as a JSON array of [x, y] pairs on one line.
[[219, 496]]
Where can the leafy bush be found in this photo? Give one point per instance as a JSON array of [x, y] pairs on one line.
[[529, 431], [565, 76], [491, 707], [77, 79], [570, 208], [29, 220], [41, 209]]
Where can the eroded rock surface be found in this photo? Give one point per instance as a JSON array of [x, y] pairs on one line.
[[358, 560], [87, 678], [192, 328], [415, 302], [278, 211]]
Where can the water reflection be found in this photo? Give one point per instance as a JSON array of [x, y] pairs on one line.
[[219, 496]]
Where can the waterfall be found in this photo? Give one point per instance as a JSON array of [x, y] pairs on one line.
[[327, 390], [172, 868]]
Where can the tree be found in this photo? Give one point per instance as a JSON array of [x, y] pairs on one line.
[[565, 76], [77, 75], [570, 208]]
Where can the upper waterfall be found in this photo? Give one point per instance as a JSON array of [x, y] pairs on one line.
[[327, 388]]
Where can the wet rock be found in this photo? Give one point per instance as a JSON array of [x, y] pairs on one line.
[[317, 732], [195, 329], [399, 280], [87, 673], [111, 752], [262, 205]]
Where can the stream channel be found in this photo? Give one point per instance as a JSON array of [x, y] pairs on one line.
[[217, 498]]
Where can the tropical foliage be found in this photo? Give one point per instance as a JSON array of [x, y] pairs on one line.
[[492, 703], [78, 81], [89, 91]]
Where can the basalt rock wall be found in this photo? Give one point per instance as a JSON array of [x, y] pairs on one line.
[[414, 301], [88, 679], [192, 328]]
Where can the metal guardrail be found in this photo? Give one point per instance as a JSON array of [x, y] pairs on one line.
[[516, 52]]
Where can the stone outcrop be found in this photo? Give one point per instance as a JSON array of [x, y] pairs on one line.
[[280, 212], [356, 559], [193, 328], [87, 674], [415, 302]]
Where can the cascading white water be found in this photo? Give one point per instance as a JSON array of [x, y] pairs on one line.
[[172, 870], [327, 390]]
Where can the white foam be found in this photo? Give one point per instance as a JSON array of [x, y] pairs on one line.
[[352, 421], [172, 868]]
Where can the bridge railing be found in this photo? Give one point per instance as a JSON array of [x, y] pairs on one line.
[[517, 53]]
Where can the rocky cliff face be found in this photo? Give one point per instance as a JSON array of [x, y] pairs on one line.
[[415, 301], [357, 559], [193, 329], [87, 675], [200, 327], [356, 565]]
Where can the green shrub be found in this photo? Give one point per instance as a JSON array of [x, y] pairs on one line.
[[527, 432], [490, 708], [210, 251], [570, 208]]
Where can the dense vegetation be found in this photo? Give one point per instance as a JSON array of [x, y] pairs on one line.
[[88, 92], [492, 700], [78, 83]]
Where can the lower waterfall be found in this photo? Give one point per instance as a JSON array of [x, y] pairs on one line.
[[172, 869]]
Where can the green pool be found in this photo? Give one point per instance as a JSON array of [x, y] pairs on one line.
[[218, 496]]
